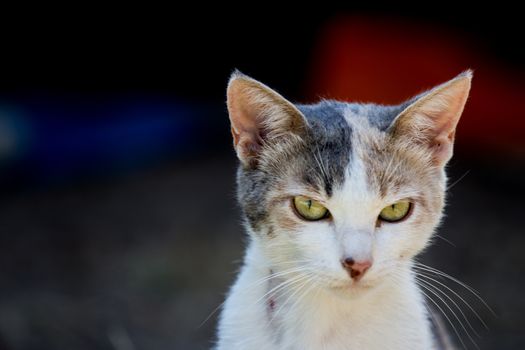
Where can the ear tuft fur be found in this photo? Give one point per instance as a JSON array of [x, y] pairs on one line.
[[431, 117], [258, 116]]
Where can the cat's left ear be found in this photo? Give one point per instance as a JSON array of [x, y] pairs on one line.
[[432, 117]]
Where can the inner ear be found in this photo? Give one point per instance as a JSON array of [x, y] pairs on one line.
[[259, 115], [431, 118]]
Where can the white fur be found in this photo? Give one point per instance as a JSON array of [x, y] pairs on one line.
[[391, 317], [384, 310], [292, 291]]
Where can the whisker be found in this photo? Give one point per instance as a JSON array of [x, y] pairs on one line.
[[444, 239], [454, 303], [253, 285], [458, 180], [320, 162], [431, 315], [211, 314], [396, 277], [446, 316], [464, 285], [297, 290], [280, 286], [277, 274], [453, 313], [439, 272], [305, 292], [457, 295]]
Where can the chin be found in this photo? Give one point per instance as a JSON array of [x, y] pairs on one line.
[[350, 289]]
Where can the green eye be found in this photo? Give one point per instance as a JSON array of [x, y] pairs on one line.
[[395, 212], [309, 209]]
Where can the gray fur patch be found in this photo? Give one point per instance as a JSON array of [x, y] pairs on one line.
[[252, 188], [378, 116], [328, 144], [319, 160]]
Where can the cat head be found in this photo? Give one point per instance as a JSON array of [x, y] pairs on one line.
[[344, 191]]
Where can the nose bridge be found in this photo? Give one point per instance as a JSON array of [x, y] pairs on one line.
[[354, 212], [352, 208], [357, 243]]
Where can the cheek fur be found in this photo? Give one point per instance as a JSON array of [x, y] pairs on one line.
[[404, 240], [286, 219]]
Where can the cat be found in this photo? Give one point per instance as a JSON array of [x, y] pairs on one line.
[[337, 199]]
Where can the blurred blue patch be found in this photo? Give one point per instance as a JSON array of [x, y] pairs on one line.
[[50, 139]]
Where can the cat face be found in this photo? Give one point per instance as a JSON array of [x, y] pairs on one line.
[[343, 192]]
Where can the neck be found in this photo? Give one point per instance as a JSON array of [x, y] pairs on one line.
[[297, 306]]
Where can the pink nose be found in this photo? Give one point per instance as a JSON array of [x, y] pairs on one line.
[[356, 269]]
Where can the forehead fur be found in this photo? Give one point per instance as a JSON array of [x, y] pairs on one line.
[[394, 168], [337, 132]]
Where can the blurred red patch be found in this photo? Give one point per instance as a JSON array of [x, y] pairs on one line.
[[387, 61]]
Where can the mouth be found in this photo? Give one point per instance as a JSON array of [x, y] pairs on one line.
[[352, 286]]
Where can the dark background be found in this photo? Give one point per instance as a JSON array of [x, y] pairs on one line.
[[118, 225]]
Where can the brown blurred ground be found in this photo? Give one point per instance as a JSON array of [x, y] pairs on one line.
[[139, 262]]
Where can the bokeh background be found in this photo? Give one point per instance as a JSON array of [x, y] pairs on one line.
[[118, 224]]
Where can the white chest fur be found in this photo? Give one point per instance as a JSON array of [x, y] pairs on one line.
[[392, 316]]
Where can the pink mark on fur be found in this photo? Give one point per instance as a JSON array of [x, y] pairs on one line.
[[271, 300], [271, 304]]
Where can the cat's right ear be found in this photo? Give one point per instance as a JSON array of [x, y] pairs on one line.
[[258, 116]]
